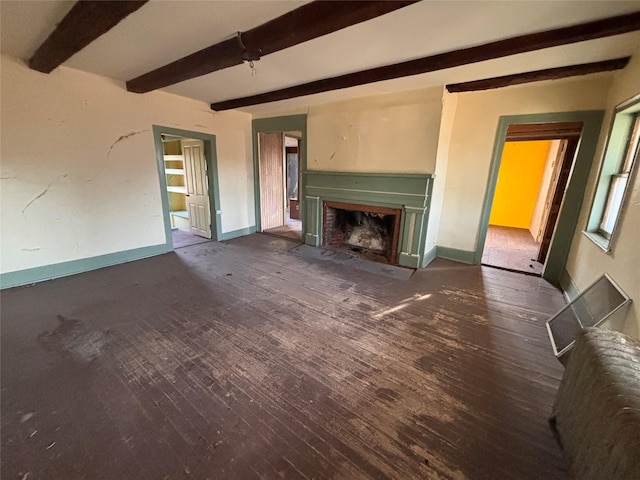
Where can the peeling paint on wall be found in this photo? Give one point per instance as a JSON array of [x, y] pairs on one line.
[[37, 197], [124, 137]]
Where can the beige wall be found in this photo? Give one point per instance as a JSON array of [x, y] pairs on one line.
[[472, 139], [79, 172], [586, 260], [395, 133], [449, 104]]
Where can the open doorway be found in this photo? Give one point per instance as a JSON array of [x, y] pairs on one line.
[[185, 169], [188, 178], [532, 178], [531, 183], [279, 176]]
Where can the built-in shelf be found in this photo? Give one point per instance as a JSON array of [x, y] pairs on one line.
[[180, 213], [176, 175]]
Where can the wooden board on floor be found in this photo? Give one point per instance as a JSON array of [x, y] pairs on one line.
[[242, 360]]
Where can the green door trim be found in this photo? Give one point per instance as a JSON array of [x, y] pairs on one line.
[[212, 177], [287, 123], [574, 194]]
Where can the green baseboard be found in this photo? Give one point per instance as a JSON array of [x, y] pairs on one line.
[[238, 233], [463, 256], [64, 269], [569, 289], [429, 257]]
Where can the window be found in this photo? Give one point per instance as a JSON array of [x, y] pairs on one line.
[[618, 161]]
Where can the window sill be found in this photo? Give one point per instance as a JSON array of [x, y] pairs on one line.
[[603, 243]]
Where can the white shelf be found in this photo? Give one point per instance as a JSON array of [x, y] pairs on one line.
[[177, 189], [174, 171], [180, 213], [174, 158]]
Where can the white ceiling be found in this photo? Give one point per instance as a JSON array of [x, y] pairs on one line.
[[163, 31]]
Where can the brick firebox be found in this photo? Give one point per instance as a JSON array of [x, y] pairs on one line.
[[370, 231]]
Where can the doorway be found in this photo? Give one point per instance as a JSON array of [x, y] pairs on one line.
[[188, 178], [279, 181], [279, 165], [581, 131], [531, 181]]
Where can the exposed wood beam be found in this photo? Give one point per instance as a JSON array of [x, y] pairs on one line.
[[501, 48], [543, 131], [86, 21], [310, 21], [539, 75]]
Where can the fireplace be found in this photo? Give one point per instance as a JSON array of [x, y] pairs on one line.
[[370, 231], [381, 216]]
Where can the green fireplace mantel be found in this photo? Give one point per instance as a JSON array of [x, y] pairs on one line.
[[409, 192]]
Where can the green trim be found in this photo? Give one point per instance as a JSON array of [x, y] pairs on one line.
[[429, 256], [574, 194], [64, 269], [238, 233], [212, 176], [314, 213], [288, 123], [464, 256], [409, 192], [569, 288], [614, 154], [602, 242], [408, 260], [373, 188]]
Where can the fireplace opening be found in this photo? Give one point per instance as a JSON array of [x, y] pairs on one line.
[[369, 231]]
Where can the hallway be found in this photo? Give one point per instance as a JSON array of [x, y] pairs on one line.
[[511, 249]]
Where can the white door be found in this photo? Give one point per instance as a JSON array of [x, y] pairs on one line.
[[195, 166]]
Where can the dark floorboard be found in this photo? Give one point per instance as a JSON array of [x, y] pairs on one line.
[[242, 360]]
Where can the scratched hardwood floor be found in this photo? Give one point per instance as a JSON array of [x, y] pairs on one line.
[[242, 360]]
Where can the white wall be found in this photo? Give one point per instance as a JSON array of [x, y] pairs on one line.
[[449, 104], [586, 261], [473, 136], [393, 133], [79, 176]]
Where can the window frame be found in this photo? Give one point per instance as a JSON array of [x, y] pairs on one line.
[[620, 150]]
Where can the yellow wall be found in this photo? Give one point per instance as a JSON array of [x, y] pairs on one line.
[[521, 169]]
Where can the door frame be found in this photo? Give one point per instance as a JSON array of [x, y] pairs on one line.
[[212, 178], [284, 124], [575, 192]]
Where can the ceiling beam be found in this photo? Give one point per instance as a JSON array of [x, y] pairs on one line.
[[86, 21], [539, 75], [305, 23], [488, 51]]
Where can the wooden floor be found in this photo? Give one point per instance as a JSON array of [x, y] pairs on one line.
[[291, 229], [180, 239], [242, 360], [512, 249]]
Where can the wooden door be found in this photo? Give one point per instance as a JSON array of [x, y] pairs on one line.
[[195, 165], [562, 177], [271, 170]]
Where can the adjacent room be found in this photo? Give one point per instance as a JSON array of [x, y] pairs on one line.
[[319, 240]]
